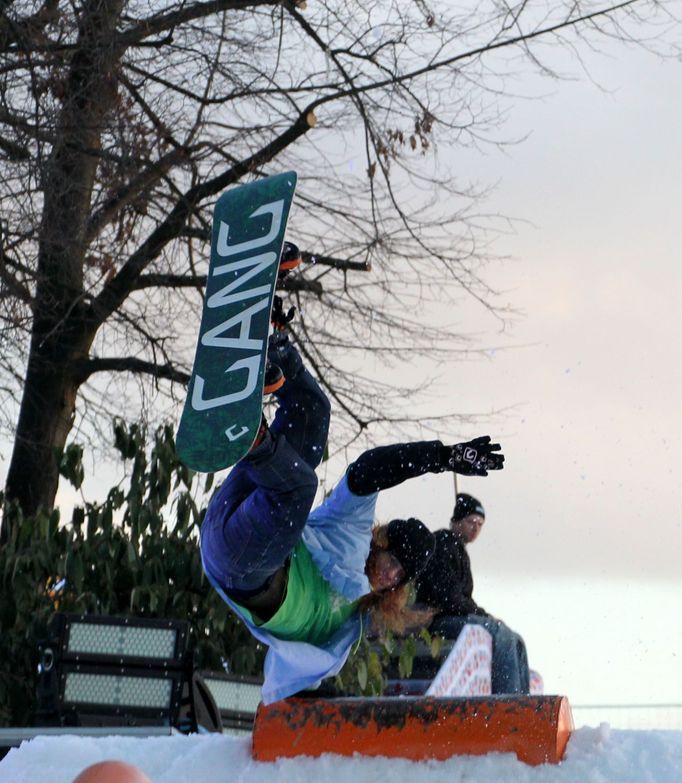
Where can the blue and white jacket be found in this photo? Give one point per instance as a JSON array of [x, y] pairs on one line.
[[337, 535]]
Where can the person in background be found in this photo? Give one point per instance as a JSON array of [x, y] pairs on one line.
[[446, 584]]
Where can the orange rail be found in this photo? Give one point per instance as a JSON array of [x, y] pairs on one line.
[[535, 728]]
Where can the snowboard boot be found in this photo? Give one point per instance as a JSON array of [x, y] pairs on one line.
[[274, 378], [289, 259], [262, 433]]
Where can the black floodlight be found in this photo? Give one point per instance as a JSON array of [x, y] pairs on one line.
[[237, 697], [127, 694], [121, 640], [97, 670], [74, 694], [115, 690]]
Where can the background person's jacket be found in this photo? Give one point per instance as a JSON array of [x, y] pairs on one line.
[[447, 583]]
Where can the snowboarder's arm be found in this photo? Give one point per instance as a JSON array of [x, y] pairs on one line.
[[388, 466]]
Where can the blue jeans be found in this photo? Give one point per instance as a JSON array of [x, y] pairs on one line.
[[256, 517], [510, 660]]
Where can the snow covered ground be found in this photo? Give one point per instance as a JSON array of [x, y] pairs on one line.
[[594, 755]]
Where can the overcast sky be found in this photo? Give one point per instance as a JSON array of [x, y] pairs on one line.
[[594, 445], [584, 527]]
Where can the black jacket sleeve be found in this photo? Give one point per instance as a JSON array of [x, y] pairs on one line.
[[447, 583], [388, 466]]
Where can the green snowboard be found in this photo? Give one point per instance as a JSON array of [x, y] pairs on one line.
[[222, 412]]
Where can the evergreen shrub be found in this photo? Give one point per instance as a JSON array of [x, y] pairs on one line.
[[135, 554]]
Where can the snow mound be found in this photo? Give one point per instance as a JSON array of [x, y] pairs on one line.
[[594, 755]]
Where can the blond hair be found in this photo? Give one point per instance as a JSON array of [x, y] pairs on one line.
[[390, 610]]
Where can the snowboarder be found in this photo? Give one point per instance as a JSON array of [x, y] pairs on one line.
[[306, 583]]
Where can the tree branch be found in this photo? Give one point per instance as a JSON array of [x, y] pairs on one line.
[[118, 288], [11, 283], [143, 181], [162, 22], [87, 367], [14, 151], [344, 264], [25, 32], [199, 282], [13, 286], [396, 79]]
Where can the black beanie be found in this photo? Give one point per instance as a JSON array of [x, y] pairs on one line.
[[412, 543], [465, 505]]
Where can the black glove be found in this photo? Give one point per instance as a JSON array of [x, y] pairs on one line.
[[475, 457], [278, 317]]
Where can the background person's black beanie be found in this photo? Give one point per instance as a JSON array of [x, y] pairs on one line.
[[465, 505]]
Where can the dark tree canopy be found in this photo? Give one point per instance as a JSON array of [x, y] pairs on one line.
[[121, 121]]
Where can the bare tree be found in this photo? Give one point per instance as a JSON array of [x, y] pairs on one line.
[[121, 121]]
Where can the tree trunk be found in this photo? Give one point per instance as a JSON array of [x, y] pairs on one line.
[[59, 336], [45, 419]]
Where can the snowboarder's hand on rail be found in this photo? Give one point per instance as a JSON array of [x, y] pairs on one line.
[[476, 457]]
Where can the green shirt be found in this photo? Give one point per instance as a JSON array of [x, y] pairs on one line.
[[311, 610]]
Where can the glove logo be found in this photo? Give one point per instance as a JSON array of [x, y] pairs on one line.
[[469, 455], [476, 457]]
